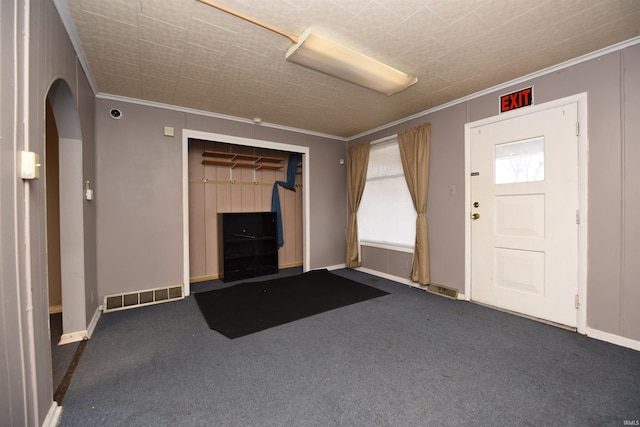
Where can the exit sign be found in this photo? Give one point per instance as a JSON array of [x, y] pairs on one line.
[[518, 99]]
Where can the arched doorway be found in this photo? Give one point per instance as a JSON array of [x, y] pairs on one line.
[[66, 220]]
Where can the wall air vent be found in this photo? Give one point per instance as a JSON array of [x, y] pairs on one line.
[[127, 300], [443, 291]]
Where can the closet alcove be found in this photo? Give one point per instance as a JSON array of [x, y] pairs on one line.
[[225, 178]]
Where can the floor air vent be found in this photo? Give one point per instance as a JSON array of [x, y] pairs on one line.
[[443, 291], [140, 298]]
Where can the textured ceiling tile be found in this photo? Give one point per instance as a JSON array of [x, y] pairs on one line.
[[540, 40], [196, 100], [454, 75], [463, 56], [119, 68], [75, 10], [94, 63], [421, 25], [217, 17], [452, 10], [462, 31], [434, 84], [129, 54], [125, 86], [418, 57], [353, 6], [102, 28], [160, 96], [551, 13], [175, 12], [201, 56], [278, 14], [509, 33], [158, 84], [160, 32], [301, 4], [161, 54], [121, 10], [385, 49], [192, 72], [497, 12], [84, 32], [210, 36], [436, 68], [326, 18], [404, 8], [588, 19], [247, 61], [371, 23], [260, 41], [624, 28], [160, 70]]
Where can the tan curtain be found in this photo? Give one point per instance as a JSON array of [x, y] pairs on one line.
[[357, 164], [414, 151]]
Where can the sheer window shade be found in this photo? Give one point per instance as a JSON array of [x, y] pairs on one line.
[[386, 214]]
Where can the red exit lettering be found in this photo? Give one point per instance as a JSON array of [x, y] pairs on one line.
[[521, 98]]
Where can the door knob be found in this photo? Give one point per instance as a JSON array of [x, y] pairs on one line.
[[475, 216]]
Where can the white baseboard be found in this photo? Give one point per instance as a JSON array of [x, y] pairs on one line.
[[82, 335], [53, 416], [402, 280], [73, 337], [335, 267], [612, 338], [94, 321]]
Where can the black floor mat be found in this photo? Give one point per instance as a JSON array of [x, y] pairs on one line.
[[246, 308]]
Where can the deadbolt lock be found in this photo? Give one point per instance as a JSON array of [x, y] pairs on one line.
[[476, 204], [475, 216]]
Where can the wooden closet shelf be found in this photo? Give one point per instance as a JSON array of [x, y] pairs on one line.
[[233, 164], [240, 156]]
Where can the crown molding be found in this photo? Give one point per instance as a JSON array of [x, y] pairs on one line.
[[119, 98], [501, 86]]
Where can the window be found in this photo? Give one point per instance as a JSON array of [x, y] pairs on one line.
[[386, 214], [520, 161]]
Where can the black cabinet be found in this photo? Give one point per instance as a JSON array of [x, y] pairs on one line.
[[248, 245]]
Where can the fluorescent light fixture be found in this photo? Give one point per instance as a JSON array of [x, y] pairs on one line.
[[326, 56]]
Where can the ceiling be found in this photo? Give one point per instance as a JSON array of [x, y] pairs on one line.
[[188, 54]]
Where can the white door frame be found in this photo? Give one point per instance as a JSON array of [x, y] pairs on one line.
[[583, 160], [250, 142]]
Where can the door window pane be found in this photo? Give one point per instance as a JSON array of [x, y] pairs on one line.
[[520, 161]]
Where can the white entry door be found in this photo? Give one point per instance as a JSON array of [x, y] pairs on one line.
[[524, 196]]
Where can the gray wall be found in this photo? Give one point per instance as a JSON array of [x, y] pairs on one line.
[[613, 86], [139, 192], [26, 389], [13, 402]]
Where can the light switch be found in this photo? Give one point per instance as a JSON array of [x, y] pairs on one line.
[[30, 167], [88, 192], [169, 131]]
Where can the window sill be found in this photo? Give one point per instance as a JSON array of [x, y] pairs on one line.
[[388, 246]]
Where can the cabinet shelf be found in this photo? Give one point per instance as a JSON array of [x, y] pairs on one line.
[[233, 160], [248, 247]]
